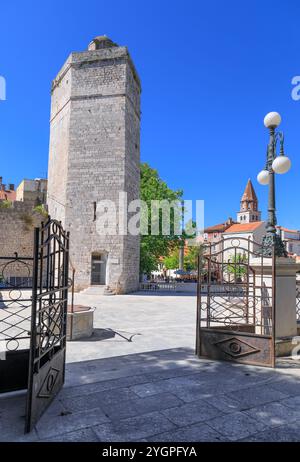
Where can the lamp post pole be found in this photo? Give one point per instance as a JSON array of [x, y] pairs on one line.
[[275, 164], [272, 220]]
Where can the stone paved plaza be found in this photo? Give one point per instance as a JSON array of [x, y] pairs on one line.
[[137, 379]]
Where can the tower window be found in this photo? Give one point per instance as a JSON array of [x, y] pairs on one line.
[[95, 210]]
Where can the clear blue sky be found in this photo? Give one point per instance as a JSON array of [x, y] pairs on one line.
[[210, 71]]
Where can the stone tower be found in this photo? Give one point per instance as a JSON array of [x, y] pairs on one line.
[[94, 156], [249, 206]]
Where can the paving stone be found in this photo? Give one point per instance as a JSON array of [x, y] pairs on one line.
[[293, 402], [187, 414], [288, 386], [274, 414], [194, 433], [134, 428], [31, 437], [95, 400], [86, 389], [175, 372], [146, 389], [49, 427], [193, 393], [256, 395], [56, 408], [188, 389], [11, 427], [139, 406], [288, 433], [236, 426], [224, 403], [86, 435]]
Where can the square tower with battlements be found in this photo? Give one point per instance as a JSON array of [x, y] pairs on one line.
[[94, 156]]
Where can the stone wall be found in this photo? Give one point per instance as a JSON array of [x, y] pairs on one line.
[[16, 229], [16, 236], [94, 155]]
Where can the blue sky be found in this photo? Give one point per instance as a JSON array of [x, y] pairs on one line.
[[210, 71]]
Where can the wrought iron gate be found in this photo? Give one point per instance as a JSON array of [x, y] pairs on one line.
[[33, 315], [48, 320], [236, 303], [15, 318]]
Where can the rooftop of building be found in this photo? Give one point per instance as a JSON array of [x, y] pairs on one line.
[[7, 194], [220, 227], [282, 228], [243, 227]]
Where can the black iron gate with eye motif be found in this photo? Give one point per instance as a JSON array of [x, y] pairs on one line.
[[48, 318], [33, 315], [236, 302]]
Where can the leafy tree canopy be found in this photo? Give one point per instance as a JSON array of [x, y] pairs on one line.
[[155, 246]]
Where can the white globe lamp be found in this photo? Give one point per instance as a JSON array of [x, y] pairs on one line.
[[263, 177], [272, 120], [281, 164]]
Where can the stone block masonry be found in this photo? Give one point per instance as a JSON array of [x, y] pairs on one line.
[[95, 155], [17, 224]]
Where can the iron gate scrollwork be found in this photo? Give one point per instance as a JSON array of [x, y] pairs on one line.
[[15, 319], [48, 318], [236, 302]]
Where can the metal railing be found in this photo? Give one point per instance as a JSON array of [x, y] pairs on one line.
[[154, 286]]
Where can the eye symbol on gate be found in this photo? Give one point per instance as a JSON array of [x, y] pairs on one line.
[[235, 347], [49, 383]]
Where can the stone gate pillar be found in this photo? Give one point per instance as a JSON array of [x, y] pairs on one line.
[[285, 298]]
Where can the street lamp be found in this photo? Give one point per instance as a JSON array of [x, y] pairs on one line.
[[276, 163]]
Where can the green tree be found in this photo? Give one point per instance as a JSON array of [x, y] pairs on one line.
[[237, 265], [154, 247], [5, 204], [41, 210], [191, 258], [172, 261]]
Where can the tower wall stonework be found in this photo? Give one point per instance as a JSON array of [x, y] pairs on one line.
[[95, 155]]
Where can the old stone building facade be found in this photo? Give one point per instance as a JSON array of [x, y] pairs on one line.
[[94, 155], [34, 191]]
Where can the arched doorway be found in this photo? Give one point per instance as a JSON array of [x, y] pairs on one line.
[[98, 271]]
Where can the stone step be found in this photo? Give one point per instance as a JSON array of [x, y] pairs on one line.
[[97, 290], [93, 290]]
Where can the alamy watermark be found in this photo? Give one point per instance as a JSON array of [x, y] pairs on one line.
[[296, 90], [2, 88], [157, 218]]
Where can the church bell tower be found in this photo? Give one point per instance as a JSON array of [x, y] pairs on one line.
[[249, 206]]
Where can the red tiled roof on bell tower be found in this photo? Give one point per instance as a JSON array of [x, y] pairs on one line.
[[249, 199]]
